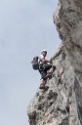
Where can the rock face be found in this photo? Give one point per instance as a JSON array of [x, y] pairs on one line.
[[61, 104]]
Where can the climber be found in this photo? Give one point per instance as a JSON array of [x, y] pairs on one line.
[[45, 68]]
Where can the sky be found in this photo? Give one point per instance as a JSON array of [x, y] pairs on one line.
[[26, 28]]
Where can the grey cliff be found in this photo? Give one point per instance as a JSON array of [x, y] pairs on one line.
[[61, 104]]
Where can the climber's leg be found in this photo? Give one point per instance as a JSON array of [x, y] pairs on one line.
[[42, 84], [50, 68], [42, 80]]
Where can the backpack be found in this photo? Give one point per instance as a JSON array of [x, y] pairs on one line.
[[35, 63]]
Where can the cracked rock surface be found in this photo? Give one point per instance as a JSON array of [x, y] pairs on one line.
[[61, 104]]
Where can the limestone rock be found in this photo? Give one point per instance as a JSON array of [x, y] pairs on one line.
[[61, 104]]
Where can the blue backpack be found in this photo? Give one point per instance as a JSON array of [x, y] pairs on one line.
[[35, 63]]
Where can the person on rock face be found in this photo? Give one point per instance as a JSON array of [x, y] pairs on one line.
[[45, 68]]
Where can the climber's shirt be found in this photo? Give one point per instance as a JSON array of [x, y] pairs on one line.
[[41, 57]]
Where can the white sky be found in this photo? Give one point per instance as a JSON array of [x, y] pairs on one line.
[[26, 28]]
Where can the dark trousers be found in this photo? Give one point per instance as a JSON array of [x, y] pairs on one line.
[[44, 71]]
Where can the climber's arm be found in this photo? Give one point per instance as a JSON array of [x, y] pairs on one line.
[[45, 60]]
